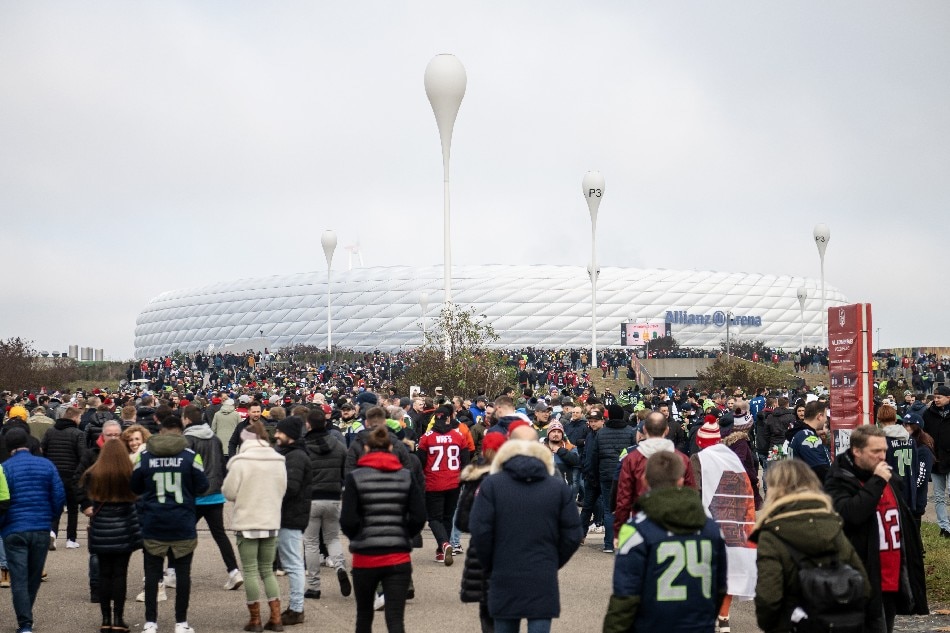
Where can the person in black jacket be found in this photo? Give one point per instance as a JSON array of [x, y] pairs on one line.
[[114, 531], [210, 505], [603, 452], [778, 423], [327, 458], [868, 497], [383, 509], [294, 512], [64, 445]]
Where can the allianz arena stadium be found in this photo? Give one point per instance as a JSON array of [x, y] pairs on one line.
[[378, 308]]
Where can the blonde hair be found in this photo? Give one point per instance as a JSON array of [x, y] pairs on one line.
[[787, 477]]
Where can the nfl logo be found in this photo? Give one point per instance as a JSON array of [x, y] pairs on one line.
[[841, 317]]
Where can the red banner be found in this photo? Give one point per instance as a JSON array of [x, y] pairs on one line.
[[849, 365]]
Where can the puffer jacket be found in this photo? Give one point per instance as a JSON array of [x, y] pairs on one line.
[[383, 506], [295, 508], [474, 578], [807, 522], [202, 441], [114, 528], [256, 483], [604, 449], [778, 424], [35, 491], [327, 460], [64, 445], [94, 428]]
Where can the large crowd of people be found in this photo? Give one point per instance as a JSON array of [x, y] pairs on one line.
[[306, 453]]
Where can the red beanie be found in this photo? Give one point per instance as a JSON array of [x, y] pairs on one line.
[[493, 441]]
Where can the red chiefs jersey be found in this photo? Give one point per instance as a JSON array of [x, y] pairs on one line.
[[443, 453]]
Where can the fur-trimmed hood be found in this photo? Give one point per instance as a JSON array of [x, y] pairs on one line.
[[798, 506], [474, 472], [524, 460], [735, 436]]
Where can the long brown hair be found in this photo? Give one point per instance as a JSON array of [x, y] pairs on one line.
[[107, 481]]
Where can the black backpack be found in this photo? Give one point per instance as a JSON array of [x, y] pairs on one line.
[[832, 594]]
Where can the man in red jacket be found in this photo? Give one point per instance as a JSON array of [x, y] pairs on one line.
[[632, 483]]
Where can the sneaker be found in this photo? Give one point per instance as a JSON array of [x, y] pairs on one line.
[[162, 596], [289, 616], [313, 594], [345, 586], [447, 554], [411, 591], [608, 549], [439, 557], [183, 627], [171, 578], [457, 550], [52, 542], [379, 603], [150, 627], [72, 545], [722, 625], [5, 578], [235, 580], [598, 529], [45, 576], [279, 572]]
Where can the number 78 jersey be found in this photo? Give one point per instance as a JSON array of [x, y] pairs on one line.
[[679, 578], [443, 456]]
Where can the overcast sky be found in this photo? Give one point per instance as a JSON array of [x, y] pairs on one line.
[[151, 146]]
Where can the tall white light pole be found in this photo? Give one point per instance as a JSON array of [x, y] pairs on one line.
[[445, 82], [802, 295], [328, 240], [593, 188], [822, 236], [424, 304]]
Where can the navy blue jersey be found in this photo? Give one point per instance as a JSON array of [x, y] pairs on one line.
[[679, 578], [808, 447], [904, 461]]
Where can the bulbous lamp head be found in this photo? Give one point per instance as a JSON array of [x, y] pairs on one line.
[[445, 81], [328, 240], [822, 236], [593, 188], [802, 295]]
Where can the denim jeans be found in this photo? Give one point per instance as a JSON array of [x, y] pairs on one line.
[[26, 556], [325, 515], [3, 556], [940, 500], [456, 537], [605, 485], [512, 626], [290, 546]]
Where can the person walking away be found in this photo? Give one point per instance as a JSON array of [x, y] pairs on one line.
[[936, 419], [210, 505], [604, 452], [474, 579], [327, 460], [168, 476], [223, 423], [114, 530], [925, 455], [902, 455], [382, 510], [880, 526], [729, 499], [524, 527], [654, 584], [294, 512], [256, 483], [64, 445], [33, 493], [797, 514], [444, 453]]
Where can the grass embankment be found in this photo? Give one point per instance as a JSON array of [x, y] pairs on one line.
[[936, 565]]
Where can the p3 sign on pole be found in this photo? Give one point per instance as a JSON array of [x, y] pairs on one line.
[[849, 366]]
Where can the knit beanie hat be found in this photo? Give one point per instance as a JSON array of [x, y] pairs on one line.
[[493, 441], [15, 438], [708, 434], [554, 426], [18, 412], [292, 427]]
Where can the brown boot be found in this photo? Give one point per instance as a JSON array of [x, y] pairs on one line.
[[254, 624], [274, 623]]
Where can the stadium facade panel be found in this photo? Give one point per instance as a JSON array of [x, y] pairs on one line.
[[548, 306]]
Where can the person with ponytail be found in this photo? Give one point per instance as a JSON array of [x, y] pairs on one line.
[[383, 509]]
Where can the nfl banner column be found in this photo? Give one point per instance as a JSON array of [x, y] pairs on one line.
[[849, 366]]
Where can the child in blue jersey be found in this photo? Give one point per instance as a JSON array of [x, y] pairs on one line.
[[670, 569]]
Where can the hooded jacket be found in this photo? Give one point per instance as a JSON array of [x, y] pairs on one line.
[[474, 578], [777, 425], [937, 425], [525, 526], [295, 509], [739, 442], [223, 424], [672, 519], [632, 482], [327, 460], [903, 458], [167, 512], [203, 441], [256, 483], [807, 522], [444, 452], [854, 494], [32, 492], [64, 446], [605, 447]]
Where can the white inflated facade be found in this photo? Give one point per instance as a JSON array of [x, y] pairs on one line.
[[548, 306]]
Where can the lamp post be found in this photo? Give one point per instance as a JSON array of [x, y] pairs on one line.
[[802, 295], [424, 304], [879, 339], [822, 236], [728, 321], [593, 189], [445, 82], [328, 240]]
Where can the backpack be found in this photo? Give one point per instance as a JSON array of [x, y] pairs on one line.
[[832, 595]]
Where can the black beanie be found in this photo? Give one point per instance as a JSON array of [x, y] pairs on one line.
[[15, 438], [292, 427]]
